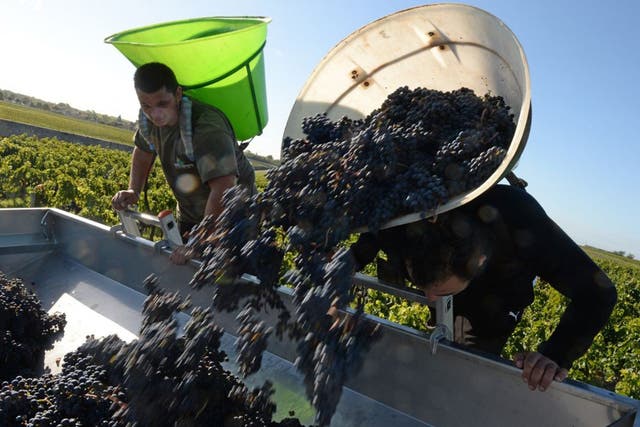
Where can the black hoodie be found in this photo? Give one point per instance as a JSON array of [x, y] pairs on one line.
[[524, 244]]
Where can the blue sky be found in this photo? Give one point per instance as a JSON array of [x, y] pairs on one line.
[[582, 153]]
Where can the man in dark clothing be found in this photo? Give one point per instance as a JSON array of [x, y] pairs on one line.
[[487, 253]]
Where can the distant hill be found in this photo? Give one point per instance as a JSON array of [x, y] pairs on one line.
[[627, 260], [64, 118], [66, 110]]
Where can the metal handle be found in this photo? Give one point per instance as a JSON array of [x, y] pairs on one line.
[[440, 333]]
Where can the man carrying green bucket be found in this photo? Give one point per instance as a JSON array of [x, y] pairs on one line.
[[196, 146]]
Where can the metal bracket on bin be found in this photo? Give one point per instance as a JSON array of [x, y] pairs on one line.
[[129, 223], [440, 332], [169, 228], [444, 322], [45, 223], [165, 221], [444, 314]]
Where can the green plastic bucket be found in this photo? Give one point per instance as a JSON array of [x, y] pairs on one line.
[[217, 60]]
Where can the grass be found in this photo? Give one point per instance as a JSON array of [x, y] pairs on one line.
[[62, 123]]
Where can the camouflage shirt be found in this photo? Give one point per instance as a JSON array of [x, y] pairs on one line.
[[215, 153]]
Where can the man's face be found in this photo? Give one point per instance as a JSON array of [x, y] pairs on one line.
[[160, 107], [450, 286]]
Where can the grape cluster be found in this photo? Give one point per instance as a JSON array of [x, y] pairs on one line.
[[418, 150], [239, 222], [251, 341], [161, 379], [26, 330], [332, 348], [78, 396]]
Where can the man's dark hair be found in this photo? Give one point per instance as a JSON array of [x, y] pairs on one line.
[[435, 250], [154, 76]]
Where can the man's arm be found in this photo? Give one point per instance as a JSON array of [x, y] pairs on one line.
[[217, 187], [592, 298], [553, 256], [364, 250], [141, 162], [558, 260]]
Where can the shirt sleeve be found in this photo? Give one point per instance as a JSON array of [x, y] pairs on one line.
[[558, 260], [365, 249], [141, 142], [592, 298], [214, 147]]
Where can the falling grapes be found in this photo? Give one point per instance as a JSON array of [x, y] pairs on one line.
[[419, 150]]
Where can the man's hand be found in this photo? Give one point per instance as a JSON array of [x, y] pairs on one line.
[[538, 370], [123, 199], [181, 255]]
